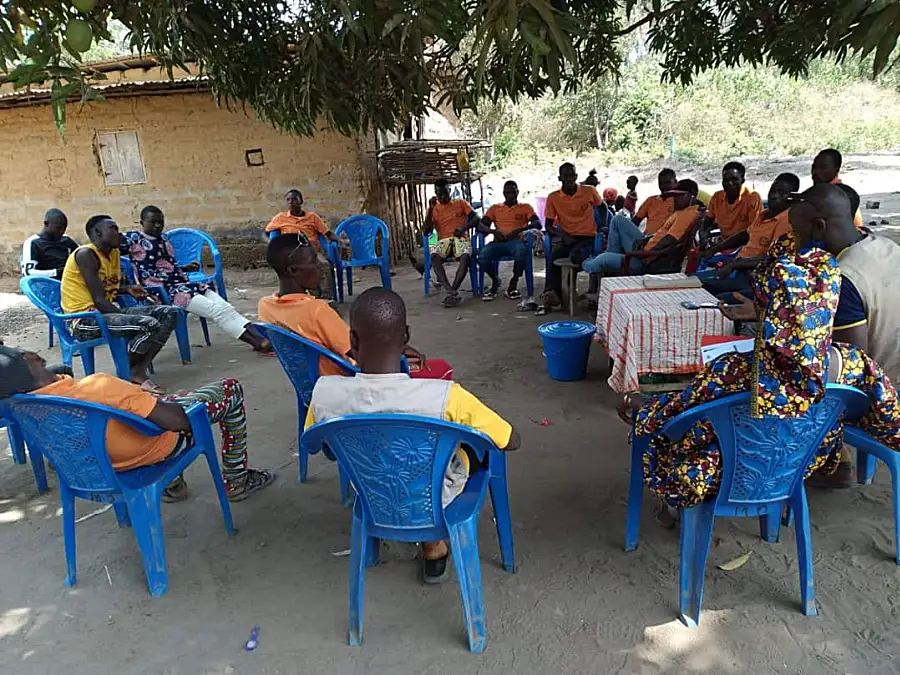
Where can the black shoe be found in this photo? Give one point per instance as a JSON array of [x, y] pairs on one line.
[[435, 571]]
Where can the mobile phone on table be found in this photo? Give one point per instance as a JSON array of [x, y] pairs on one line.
[[690, 304]]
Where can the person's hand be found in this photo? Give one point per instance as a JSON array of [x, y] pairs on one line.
[[432, 202], [413, 355], [725, 271], [136, 292], [630, 402], [743, 310], [192, 267]]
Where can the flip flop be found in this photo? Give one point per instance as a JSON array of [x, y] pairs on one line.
[[257, 479], [514, 294], [451, 301]]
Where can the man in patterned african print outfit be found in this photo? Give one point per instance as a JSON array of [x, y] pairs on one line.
[[154, 259], [796, 294]]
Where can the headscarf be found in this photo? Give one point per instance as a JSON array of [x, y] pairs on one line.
[[797, 291], [15, 376]]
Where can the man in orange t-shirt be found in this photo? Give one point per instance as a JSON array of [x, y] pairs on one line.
[[297, 221], [295, 308], [511, 221], [452, 218], [755, 241], [826, 168], [656, 208], [23, 372], [733, 208], [649, 260], [572, 222]]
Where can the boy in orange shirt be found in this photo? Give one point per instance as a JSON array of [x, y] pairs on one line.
[[733, 208], [452, 218], [826, 168], [656, 208], [511, 220], [297, 221], [23, 372]]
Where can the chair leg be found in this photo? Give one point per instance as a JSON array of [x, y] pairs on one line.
[[16, 442], [804, 554], [464, 547], [573, 287], [865, 467], [87, 360], [50, 335], [337, 280], [213, 461], [303, 457], [204, 326], [500, 501], [39, 470], [895, 487], [350, 281], [427, 274], [68, 522], [770, 524], [122, 516], [635, 494], [118, 347], [358, 540], [181, 335], [373, 551], [347, 494], [145, 509], [529, 274], [220, 285], [696, 536]]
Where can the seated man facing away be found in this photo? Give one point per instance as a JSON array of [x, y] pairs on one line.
[[570, 220], [452, 218], [625, 237], [294, 306], [23, 372], [379, 334], [826, 168], [91, 281], [755, 241], [510, 220], [297, 221], [45, 254], [733, 208], [657, 208], [154, 260], [631, 197]]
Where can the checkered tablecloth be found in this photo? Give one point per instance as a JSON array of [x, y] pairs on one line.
[[648, 331]]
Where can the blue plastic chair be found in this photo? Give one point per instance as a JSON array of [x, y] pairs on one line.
[[299, 358], [868, 452], [44, 293], [49, 324], [396, 464], [363, 231], [181, 327], [599, 238], [763, 463], [331, 252], [17, 445], [473, 266], [529, 261], [72, 435], [188, 245]]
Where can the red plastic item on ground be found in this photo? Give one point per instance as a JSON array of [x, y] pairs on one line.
[[436, 369]]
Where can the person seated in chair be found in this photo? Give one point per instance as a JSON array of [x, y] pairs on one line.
[[656, 209], [452, 219], [91, 281], [24, 372], [297, 221], [571, 222], [379, 336], [826, 168], [296, 308], [45, 254], [154, 261], [754, 242], [625, 237], [511, 221], [733, 208]]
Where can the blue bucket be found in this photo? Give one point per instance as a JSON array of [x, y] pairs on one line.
[[567, 345]]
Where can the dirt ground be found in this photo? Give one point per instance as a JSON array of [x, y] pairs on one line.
[[578, 603]]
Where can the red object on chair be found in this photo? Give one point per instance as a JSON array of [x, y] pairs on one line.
[[435, 369]]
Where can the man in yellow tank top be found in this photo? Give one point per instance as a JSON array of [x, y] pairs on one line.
[[91, 281]]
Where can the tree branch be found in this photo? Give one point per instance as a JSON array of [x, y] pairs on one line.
[[633, 27]]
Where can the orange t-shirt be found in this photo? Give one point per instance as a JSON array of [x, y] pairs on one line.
[[657, 211], [312, 319], [449, 217], [732, 218], [574, 213], [309, 224], [509, 218], [127, 448], [857, 217], [676, 225], [764, 232]]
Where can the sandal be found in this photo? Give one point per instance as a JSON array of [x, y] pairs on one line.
[[542, 310], [513, 294], [256, 480], [151, 387], [527, 305], [435, 571], [451, 301], [176, 491], [491, 293]]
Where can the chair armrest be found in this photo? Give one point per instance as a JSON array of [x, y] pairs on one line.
[[161, 292], [93, 314]]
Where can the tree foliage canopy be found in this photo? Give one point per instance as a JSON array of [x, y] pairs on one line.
[[372, 64]]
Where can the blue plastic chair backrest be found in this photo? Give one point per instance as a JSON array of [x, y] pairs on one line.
[[362, 231], [72, 435], [44, 293], [126, 268], [763, 460], [299, 358], [188, 245], [396, 462]]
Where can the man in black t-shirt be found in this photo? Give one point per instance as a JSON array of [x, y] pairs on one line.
[[44, 254]]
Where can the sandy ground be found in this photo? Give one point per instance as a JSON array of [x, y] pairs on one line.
[[578, 604]]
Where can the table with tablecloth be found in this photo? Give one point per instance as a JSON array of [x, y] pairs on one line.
[[649, 331]]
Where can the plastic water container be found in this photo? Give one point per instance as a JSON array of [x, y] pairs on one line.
[[567, 345]]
